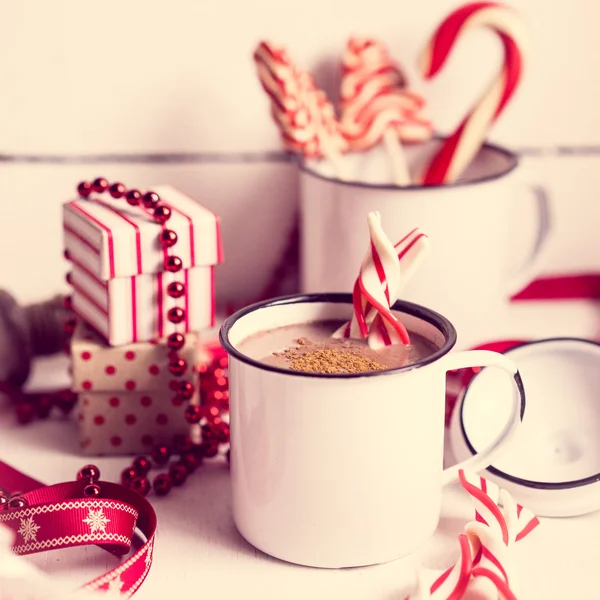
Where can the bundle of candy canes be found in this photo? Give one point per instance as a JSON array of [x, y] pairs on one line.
[[485, 569], [377, 106], [385, 270]]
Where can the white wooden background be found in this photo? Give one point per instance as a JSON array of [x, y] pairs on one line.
[[166, 92]]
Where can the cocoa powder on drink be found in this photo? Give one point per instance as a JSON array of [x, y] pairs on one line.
[[330, 360]]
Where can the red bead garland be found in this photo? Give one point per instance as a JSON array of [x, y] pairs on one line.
[[132, 197], [183, 457], [168, 238], [215, 431], [161, 213], [31, 406]]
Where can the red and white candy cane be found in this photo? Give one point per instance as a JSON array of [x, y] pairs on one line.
[[305, 117], [453, 583], [376, 105], [385, 271], [486, 566], [280, 79], [329, 141], [460, 148], [488, 497], [500, 522]]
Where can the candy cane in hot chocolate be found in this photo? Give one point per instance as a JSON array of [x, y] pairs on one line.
[[461, 147], [376, 106], [385, 271]]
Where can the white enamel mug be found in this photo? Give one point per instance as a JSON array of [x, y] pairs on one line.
[[344, 470], [487, 232]]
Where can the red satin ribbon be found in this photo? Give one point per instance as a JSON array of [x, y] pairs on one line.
[[60, 516], [567, 287]]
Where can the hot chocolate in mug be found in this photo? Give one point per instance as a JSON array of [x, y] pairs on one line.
[[343, 470], [487, 232]]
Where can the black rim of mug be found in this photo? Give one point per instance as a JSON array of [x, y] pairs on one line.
[[415, 310], [512, 157], [541, 485]]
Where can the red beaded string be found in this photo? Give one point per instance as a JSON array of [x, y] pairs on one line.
[[214, 431], [184, 456], [150, 203]]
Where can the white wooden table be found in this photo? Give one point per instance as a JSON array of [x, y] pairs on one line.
[[199, 553]]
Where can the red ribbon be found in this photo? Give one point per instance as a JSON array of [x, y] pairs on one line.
[[567, 287], [61, 516]]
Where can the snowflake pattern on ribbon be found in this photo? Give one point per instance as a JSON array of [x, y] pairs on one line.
[[97, 520], [115, 588], [28, 529]]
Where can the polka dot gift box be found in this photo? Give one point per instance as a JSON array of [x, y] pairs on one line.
[[124, 276], [143, 287], [127, 402]]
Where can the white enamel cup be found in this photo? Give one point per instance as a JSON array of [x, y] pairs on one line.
[[344, 470], [487, 232]]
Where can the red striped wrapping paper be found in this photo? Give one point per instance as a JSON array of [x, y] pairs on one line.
[[133, 309], [118, 277]]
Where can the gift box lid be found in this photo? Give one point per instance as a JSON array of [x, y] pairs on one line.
[[112, 239], [98, 367]]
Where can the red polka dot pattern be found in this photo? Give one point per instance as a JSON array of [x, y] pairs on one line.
[[123, 405], [103, 368], [145, 401]]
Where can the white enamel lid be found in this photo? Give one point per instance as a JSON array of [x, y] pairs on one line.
[[552, 465]]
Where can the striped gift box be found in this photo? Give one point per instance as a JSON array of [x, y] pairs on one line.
[[118, 278]]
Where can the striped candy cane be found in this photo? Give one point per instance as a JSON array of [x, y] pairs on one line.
[[461, 147], [305, 117], [485, 567], [329, 139], [519, 522], [385, 271], [281, 81], [377, 106], [491, 555], [485, 497], [494, 532]]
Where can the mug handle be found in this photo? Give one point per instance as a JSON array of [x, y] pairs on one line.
[[530, 267], [487, 358]]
